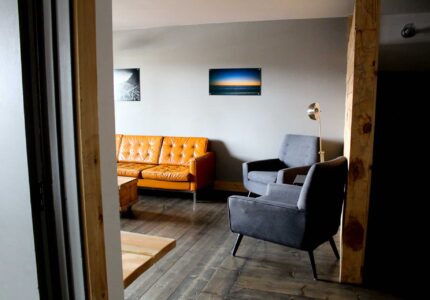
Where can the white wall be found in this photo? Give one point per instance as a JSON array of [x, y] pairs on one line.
[[18, 274], [107, 148], [302, 61]]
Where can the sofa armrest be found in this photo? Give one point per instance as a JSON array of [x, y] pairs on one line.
[[202, 169], [287, 175]]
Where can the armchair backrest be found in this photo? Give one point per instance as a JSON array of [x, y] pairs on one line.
[[322, 197], [324, 186], [299, 150]]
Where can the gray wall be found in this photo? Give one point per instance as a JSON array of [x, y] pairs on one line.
[[404, 54], [302, 61], [107, 149], [18, 277]]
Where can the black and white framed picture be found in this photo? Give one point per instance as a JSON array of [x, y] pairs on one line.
[[126, 84]]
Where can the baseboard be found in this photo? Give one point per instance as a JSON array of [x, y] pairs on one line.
[[230, 186]]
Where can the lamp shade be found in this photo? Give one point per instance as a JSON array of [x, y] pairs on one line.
[[314, 110]]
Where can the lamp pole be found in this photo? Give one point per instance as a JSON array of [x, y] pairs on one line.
[[314, 112], [321, 153]]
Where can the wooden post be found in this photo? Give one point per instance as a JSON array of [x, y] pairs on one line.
[[85, 90], [361, 79]]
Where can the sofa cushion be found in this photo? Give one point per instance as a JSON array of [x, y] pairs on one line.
[[263, 176], [167, 173], [180, 150], [140, 149], [131, 169]]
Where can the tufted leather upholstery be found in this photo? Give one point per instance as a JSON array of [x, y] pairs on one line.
[[140, 149], [118, 138], [175, 163], [167, 173], [180, 150], [202, 169], [131, 169]]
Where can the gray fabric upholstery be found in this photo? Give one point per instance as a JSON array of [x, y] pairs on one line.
[[288, 175], [263, 176], [299, 150], [300, 217], [275, 222], [297, 153], [285, 193]]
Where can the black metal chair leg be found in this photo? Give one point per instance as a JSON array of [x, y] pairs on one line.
[[236, 245], [314, 270], [333, 246]]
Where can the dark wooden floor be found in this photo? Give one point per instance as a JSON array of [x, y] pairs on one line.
[[201, 267]]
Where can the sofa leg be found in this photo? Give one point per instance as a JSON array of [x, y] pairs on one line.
[[311, 258], [236, 245], [249, 194], [333, 246], [194, 200]]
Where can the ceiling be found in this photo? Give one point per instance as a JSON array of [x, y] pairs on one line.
[[137, 14]]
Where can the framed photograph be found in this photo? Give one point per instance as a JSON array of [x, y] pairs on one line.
[[126, 84], [243, 81]]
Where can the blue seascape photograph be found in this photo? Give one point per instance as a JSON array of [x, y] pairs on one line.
[[243, 81]]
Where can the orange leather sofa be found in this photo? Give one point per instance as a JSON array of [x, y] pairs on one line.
[[173, 163]]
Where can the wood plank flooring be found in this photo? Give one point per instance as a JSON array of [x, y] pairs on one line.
[[201, 267]]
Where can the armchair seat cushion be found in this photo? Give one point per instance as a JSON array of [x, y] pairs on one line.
[[263, 176], [131, 169], [282, 194], [167, 173]]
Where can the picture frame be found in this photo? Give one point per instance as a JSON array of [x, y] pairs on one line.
[[235, 81], [127, 84]]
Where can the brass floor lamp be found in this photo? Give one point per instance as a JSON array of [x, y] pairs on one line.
[[314, 112]]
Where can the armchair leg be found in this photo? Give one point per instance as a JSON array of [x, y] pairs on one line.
[[311, 258], [333, 246], [236, 245]]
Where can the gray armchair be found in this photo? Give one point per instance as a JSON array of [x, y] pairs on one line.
[[297, 154], [301, 217]]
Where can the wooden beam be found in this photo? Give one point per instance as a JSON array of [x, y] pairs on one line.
[[87, 136], [361, 79]]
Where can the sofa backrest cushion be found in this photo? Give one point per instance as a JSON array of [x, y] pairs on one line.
[[140, 149], [118, 138], [180, 150]]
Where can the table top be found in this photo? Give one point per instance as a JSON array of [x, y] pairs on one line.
[[123, 180]]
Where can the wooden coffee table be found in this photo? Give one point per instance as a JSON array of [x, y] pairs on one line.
[[127, 187]]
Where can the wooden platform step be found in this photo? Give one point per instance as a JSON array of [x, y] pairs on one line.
[[140, 251]]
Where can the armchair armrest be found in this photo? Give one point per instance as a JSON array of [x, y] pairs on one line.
[[287, 175], [273, 164], [202, 169], [268, 220]]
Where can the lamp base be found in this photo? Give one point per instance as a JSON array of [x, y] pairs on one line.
[[321, 153]]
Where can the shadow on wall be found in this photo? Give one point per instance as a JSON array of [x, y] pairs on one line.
[[332, 148], [228, 168], [414, 57]]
